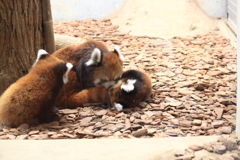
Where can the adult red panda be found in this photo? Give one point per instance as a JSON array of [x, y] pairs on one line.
[[33, 95], [95, 70], [133, 87]]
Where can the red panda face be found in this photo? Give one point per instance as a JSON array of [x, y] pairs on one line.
[[110, 71], [134, 87], [106, 67]]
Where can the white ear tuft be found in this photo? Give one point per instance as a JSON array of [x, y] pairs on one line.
[[41, 52], [118, 106], [95, 57], [65, 76], [117, 50], [129, 86], [69, 66]]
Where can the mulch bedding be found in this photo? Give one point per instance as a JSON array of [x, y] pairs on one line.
[[194, 89]]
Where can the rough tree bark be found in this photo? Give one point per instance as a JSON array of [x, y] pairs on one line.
[[25, 27]]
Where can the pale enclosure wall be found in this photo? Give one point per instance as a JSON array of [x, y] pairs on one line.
[[214, 8], [63, 10]]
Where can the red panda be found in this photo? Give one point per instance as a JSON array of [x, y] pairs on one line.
[[134, 87], [33, 95], [95, 70]]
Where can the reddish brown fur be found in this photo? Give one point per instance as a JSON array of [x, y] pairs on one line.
[[33, 96], [131, 100], [74, 94]]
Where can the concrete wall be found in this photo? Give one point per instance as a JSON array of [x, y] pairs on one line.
[[213, 8], [238, 74], [63, 10]]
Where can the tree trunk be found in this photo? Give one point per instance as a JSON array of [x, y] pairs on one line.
[[22, 34]]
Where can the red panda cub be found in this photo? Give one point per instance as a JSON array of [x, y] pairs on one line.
[[95, 70], [33, 95], [134, 87]]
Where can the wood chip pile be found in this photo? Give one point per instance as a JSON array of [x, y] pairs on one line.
[[194, 89]]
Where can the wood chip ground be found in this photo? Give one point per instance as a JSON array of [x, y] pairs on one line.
[[194, 89]]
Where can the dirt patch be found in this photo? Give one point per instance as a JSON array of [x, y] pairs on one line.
[[161, 18]]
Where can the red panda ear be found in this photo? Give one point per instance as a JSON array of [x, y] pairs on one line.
[[65, 76], [40, 55], [63, 69], [96, 57], [117, 51]]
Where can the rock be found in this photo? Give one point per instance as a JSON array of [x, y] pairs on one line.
[[230, 144], [186, 123], [116, 127], [140, 132], [99, 133], [132, 119], [196, 147], [180, 152], [68, 111], [217, 123], [197, 122], [201, 86], [22, 137], [185, 157], [150, 113], [57, 136], [185, 91], [175, 121], [85, 121], [224, 70], [151, 130], [120, 115], [215, 73], [69, 135], [127, 124], [33, 132], [208, 147], [173, 132], [230, 156], [136, 126], [204, 125], [136, 115], [23, 127], [51, 133], [219, 149], [175, 104], [219, 112], [101, 112], [4, 137], [12, 137], [226, 130]]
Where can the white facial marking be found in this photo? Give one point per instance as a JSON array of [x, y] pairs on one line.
[[96, 81], [108, 84], [95, 57], [65, 76], [40, 53], [129, 86], [118, 106], [117, 49]]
